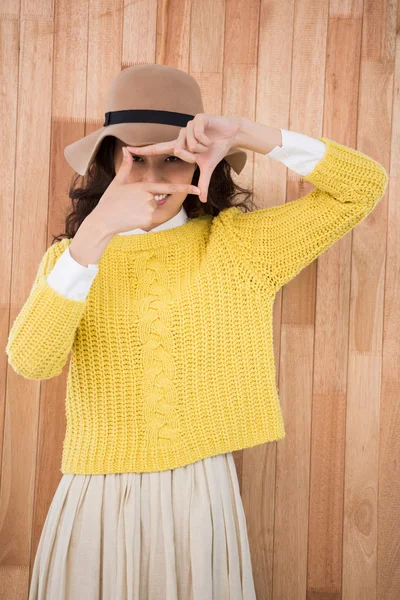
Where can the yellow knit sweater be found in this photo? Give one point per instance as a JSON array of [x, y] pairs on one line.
[[172, 351]]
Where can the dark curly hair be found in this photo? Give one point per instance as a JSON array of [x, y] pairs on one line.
[[85, 191]]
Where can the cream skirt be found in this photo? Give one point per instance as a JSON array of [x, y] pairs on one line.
[[169, 535]]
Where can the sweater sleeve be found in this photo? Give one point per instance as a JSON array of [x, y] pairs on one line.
[[43, 332], [274, 244]]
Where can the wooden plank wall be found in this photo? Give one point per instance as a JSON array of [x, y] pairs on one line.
[[322, 505]]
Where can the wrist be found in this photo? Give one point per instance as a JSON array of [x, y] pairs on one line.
[[257, 137], [96, 227], [89, 242]]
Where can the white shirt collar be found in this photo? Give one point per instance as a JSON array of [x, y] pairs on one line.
[[179, 219]]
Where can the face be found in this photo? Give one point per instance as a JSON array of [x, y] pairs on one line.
[[162, 168]]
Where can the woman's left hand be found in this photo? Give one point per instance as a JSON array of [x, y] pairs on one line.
[[205, 140]]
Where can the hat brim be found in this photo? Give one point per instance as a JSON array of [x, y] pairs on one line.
[[80, 154]]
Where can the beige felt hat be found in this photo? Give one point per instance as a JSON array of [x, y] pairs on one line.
[[146, 104]]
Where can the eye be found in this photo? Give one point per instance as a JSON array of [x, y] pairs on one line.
[[176, 157]]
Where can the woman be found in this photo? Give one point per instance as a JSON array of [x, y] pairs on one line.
[[167, 308]]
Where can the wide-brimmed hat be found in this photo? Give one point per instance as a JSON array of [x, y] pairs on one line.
[[146, 104]]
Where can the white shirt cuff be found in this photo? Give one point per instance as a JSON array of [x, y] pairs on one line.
[[299, 152], [71, 279]]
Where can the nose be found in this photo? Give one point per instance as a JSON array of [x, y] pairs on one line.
[[151, 175], [152, 180]]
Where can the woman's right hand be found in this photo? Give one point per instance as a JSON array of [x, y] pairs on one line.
[[125, 206]]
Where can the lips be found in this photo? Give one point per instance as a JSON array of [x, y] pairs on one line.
[[163, 200]]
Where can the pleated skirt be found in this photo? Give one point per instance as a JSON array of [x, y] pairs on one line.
[[170, 535]]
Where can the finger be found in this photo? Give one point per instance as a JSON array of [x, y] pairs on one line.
[[122, 175], [160, 148], [198, 129], [203, 195], [185, 155], [180, 148], [203, 183], [182, 145], [192, 142], [165, 188]]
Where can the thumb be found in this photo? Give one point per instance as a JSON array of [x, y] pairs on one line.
[[203, 183], [125, 166]]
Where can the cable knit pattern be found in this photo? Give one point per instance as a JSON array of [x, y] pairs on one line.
[[157, 346], [172, 356]]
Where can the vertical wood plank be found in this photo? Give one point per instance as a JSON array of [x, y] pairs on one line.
[[360, 528], [331, 332], [388, 558], [29, 237], [296, 374]]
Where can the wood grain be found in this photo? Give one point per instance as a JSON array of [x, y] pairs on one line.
[[323, 505]]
